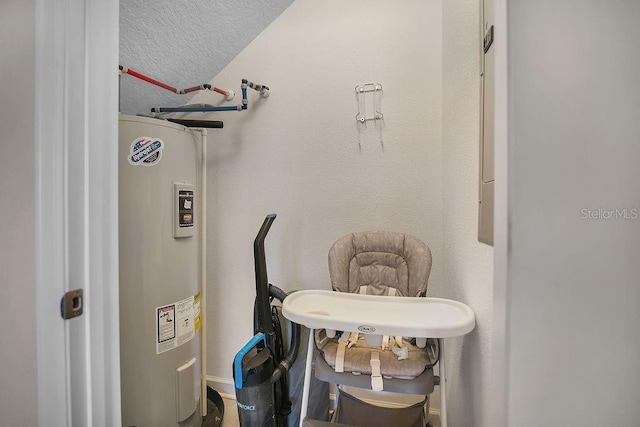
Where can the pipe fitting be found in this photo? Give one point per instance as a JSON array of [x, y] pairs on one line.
[[230, 96]]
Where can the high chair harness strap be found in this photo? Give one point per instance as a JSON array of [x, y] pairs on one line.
[[342, 345], [353, 339], [376, 376], [385, 338], [385, 342], [401, 352], [350, 339]]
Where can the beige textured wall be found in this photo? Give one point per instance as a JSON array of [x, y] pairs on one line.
[[296, 153], [468, 264]]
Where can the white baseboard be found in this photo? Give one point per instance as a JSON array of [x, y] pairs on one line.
[[224, 386]]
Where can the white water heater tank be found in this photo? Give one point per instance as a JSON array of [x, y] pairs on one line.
[[159, 206]]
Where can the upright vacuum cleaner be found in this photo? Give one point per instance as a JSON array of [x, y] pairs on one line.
[[260, 367]]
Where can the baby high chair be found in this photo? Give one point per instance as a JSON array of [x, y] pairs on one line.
[[378, 263], [360, 329]]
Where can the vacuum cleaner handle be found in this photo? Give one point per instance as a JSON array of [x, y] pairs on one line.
[[264, 229], [237, 361], [263, 306]]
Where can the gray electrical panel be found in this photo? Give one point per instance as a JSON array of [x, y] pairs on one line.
[[487, 83]]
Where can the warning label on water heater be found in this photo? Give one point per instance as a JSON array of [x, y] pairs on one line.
[[196, 307], [175, 324], [185, 208]]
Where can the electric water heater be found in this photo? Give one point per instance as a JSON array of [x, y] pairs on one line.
[[159, 206]]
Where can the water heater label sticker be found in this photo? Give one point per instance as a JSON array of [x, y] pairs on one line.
[[174, 325], [166, 327], [196, 308], [185, 317], [185, 208], [145, 151]]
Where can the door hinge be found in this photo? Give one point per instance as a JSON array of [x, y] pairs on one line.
[[71, 304]]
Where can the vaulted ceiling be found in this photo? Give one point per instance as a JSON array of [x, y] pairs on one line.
[[184, 43]]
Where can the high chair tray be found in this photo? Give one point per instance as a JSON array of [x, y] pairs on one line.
[[382, 315]]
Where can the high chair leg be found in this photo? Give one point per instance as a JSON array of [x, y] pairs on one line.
[[443, 385], [307, 377]]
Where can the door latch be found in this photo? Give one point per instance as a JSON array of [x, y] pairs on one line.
[[71, 304], [488, 39]]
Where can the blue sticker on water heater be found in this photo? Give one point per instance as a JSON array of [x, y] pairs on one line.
[[146, 151]]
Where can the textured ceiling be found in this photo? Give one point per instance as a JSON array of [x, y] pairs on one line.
[[184, 43]]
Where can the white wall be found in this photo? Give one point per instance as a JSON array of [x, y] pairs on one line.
[[573, 319], [296, 153], [17, 164], [467, 264]]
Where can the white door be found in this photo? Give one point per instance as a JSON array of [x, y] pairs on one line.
[[76, 211]]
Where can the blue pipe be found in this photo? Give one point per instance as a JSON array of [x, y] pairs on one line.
[[245, 102], [264, 92], [196, 109]]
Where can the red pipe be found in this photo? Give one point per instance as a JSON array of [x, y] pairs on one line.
[[220, 91], [192, 89], [148, 79], [171, 88]]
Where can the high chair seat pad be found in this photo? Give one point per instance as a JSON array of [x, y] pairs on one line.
[[380, 258], [423, 385], [358, 358]]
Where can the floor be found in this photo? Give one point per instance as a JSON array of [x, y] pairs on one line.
[[231, 415]]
